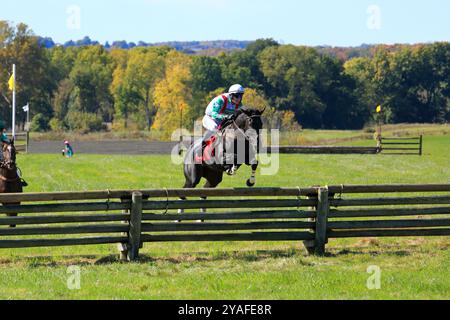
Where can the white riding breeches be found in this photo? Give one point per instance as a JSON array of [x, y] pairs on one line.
[[210, 124]]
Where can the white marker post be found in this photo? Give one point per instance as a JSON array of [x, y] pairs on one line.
[[14, 104], [27, 110]]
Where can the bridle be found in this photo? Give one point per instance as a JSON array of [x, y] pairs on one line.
[[242, 131], [9, 165]]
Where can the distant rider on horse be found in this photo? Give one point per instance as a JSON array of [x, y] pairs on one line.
[[221, 109], [5, 141]]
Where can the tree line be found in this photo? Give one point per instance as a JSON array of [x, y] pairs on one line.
[[150, 88]]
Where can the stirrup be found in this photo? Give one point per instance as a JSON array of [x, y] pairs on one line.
[[24, 183], [232, 171]]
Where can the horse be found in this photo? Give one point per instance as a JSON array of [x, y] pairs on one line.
[[10, 181], [245, 125]]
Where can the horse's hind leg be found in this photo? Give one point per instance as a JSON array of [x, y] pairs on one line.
[[192, 180], [211, 183], [207, 185], [187, 185]]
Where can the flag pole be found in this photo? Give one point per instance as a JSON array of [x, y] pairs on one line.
[[14, 103]]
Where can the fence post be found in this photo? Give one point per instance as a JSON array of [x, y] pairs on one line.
[[123, 247], [323, 208], [27, 141], [134, 235], [421, 145], [310, 245]]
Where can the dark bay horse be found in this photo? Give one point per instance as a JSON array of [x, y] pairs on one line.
[[10, 182], [237, 143]]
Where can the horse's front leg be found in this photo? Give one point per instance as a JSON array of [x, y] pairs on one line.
[[11, 214], [193, 175], [252, 181]]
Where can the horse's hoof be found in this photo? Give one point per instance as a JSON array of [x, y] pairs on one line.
[[249, 184]]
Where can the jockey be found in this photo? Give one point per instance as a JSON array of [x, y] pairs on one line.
[[3, 138], [221, 109]]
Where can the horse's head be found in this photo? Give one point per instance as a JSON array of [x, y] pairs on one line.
[[247, 119], [245, 129], [9, 155]]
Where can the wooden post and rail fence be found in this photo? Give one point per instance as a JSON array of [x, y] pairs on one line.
[[402, 146], [312, 215], [388, 146]]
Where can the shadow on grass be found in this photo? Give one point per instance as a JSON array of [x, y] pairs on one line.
[[346, 252], [239, 256], [200, 257], [191, 257], [59, 261]]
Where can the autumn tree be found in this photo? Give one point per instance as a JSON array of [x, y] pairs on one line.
[[34, 80], [173, 96], [134, 82], [92, 76], [311, 85], [206, 77], [273, 118]]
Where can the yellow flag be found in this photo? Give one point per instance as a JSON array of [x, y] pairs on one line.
[[11, 83], [379, 109]]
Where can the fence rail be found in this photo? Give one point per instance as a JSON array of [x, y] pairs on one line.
[[312, 215], [394, 146], [323, 150], [405, 146], [21, 141]]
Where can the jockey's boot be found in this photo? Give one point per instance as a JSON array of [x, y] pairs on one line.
[[22, 180], [199, 152]]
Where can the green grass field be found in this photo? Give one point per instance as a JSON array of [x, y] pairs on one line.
[[411, 268]]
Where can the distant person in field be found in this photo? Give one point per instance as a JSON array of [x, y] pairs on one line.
[[220, 110], [68, 150]]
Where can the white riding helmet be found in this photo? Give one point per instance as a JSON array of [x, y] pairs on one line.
[[236, 89]]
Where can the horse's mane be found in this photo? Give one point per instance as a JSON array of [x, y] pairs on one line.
[[248, 111]]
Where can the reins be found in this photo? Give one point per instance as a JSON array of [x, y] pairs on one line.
[[3, 178], [5, 165], [242, 131]]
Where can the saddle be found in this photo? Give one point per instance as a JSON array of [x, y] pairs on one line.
[[208, 151]]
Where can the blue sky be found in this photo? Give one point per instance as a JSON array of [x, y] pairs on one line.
[[314, 22]]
